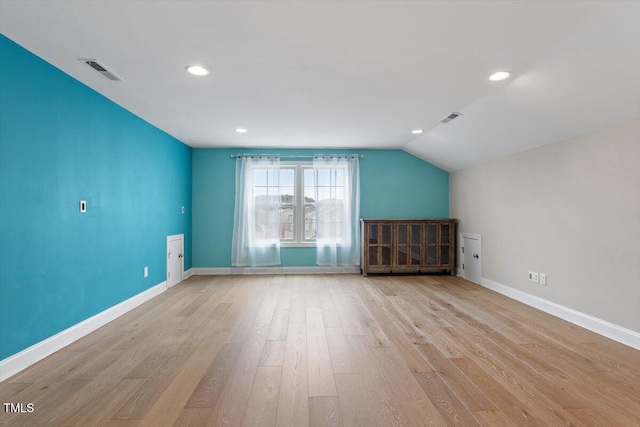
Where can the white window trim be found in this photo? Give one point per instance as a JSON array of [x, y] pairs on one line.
[[299, 226], [298, 238], [264, 243], [338, 242], [288, 244]]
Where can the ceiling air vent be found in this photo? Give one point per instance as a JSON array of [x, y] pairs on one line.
[[450, 117], [96, 65]]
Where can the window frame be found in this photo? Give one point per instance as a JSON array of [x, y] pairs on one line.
[[298, 207], [266, 242], [299, 204], [331, 188]]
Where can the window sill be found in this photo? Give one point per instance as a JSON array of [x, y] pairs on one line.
[[297, 245]]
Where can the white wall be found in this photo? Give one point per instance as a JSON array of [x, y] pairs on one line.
[[571, 210]]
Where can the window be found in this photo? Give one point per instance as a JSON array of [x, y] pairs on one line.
[[324, 194], [274, 193], [300, 190], [282, 185], [296, 204]]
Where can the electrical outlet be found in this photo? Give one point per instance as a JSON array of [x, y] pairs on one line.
[[533, 276], [543, 279], [146, 272]]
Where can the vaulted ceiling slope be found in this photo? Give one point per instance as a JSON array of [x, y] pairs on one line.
[[352, 74]]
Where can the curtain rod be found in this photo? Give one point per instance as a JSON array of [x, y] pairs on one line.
[[297, 157]]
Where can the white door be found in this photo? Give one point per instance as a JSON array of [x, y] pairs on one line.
[[175, 259], [472, 257]]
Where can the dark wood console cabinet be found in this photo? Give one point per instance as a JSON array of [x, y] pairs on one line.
[[408, 245]]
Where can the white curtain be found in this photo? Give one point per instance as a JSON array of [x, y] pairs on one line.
[[256, 225], [337, 182]]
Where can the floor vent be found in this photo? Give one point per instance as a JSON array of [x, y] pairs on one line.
[[96, 65]]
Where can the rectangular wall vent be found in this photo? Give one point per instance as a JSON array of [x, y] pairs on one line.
[[96, 65], [450, 117]]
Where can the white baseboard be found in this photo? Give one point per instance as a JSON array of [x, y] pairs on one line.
[[207, 271], [599, 326], [186, 274], [27, 357]]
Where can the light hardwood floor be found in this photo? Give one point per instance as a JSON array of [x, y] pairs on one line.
[[332, 350]]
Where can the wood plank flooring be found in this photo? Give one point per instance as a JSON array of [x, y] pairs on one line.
[[332, 350]]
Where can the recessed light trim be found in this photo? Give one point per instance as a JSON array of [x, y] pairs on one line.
[[417, 131], [197, 70], [241, 130], [500, 75]]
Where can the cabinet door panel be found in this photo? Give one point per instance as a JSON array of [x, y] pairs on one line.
[[385, 234], [402, 255], [445, 259], [373, 233], [402, 248], [373, 256], [416, 234], [432, 256], [445, 233], [403, 234], [432, 233], [416, 256], [385, 256]]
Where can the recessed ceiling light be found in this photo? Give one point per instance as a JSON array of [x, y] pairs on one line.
[[241, 130], [197, 70], [417, 131], [500, 75]]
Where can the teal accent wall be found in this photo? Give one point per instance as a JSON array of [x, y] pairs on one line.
[[61, 142], [393, 184]]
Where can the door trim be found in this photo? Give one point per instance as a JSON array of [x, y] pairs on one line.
[[473, 236], [173, 238]]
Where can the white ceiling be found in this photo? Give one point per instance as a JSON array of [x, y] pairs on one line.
[[352, 74]]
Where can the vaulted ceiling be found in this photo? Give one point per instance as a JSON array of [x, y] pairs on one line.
[[352, 74]]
